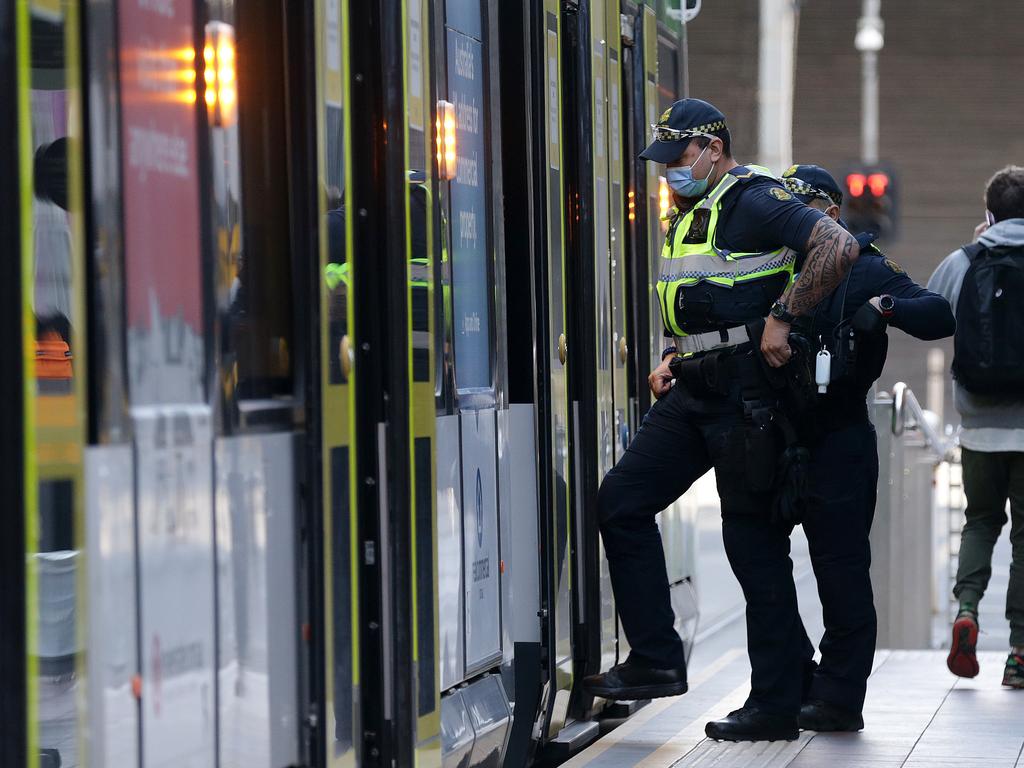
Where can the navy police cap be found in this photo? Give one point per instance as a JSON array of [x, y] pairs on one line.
[[684, 120], [810, 181]]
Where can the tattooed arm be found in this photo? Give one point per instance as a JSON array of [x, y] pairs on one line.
[[831, 251]]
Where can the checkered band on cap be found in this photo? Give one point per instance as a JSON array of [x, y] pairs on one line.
[[697, 130], [718, 125], [800, 187]]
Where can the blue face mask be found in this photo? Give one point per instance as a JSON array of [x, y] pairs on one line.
[[681, 179]]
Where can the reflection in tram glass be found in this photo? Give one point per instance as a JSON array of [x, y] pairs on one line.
[[59, 376]]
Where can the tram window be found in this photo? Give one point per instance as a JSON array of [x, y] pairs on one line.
[[55, 255], [668, 74], [251, 218], [469, 215]]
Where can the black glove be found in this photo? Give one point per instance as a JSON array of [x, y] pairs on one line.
[[868, 320]]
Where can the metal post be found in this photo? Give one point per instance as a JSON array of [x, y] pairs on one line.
[[776, 73], [936, 390], [869, 41]]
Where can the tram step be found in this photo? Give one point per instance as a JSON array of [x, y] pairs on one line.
[[573, 738]]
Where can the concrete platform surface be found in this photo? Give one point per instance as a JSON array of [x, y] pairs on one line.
[[917, 715]]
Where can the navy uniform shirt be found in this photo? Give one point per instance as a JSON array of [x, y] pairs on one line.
[[917, 311], [757, 215]]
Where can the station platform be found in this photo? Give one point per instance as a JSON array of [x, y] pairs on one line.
[[916, 715]]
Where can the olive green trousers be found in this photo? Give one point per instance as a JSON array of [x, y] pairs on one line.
[[990, 479]]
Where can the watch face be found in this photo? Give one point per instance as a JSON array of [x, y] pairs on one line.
[[887, 303], [778, 310]]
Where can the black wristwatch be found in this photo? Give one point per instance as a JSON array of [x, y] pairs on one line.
[[887, 304], [781, 313], [668, 351]]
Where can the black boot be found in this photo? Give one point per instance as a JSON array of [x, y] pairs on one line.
[[822, 716], [630, 681], [751, 724]]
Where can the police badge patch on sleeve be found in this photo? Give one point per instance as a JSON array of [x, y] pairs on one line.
[[779, 193], [895, 267]]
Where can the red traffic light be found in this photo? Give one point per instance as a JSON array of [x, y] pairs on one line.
[[876, 183], [855, 183]]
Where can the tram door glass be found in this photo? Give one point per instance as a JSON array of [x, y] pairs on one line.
[[617, 235], [167, 355], [336, 265], [424, 249], [602, 236], [56, 620], [467, 437], [654, 239], [669, 87], [662, 53], [557, 350], [607, 257], [470, 242]]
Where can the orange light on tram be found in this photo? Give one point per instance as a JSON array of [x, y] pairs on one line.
[[631, 205], [219, 74], [447, 148], [664, 197]]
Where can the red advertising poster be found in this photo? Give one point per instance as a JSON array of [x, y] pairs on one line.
[[161, 200]]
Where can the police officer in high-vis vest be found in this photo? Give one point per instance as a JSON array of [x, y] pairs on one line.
[[728, 297], [849, 329]]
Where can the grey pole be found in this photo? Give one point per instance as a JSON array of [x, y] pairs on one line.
[[869, 41]]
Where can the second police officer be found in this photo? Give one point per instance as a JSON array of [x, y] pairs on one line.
[[734, 243], [850, 325]]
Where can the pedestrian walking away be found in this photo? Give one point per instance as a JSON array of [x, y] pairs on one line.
[[984, 282]]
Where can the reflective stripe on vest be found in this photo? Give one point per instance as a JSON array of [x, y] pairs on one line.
[[685, 264], [335, 274]]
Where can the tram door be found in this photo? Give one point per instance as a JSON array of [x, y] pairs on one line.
[[557, 350], [424, 256], [609, 297], [471, 417], [50, 338], [639, 83], [337, 265]]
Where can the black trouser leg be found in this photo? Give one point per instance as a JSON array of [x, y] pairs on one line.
[[758, 552], [807, 664], [663, 460], [845, 477]]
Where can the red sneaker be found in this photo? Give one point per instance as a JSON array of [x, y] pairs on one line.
[[962, 660]]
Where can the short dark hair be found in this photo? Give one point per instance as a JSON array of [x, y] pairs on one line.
[[1004, 193], [723, 134]]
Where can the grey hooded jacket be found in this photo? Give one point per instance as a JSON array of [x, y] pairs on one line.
[[990, 423]]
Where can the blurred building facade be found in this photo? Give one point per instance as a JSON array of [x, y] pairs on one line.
[[951, 114]]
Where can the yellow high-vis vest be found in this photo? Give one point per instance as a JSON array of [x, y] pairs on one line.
[[690, 255]]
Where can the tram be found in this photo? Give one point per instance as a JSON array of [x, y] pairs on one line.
[[331, 317]]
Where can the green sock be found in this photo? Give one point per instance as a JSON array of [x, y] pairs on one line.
[[970, 608]]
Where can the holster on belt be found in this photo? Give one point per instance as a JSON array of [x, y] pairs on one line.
[[794, 380], [700, 375], [790, 391]]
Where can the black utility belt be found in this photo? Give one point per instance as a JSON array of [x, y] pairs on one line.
[[716, 374]]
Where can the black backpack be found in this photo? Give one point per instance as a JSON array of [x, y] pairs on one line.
[[988, 349]]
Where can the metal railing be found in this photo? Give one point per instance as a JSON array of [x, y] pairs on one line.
[[908, 541], [908, 413]]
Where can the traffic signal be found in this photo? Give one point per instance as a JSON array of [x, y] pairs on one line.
[[870, 201]]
